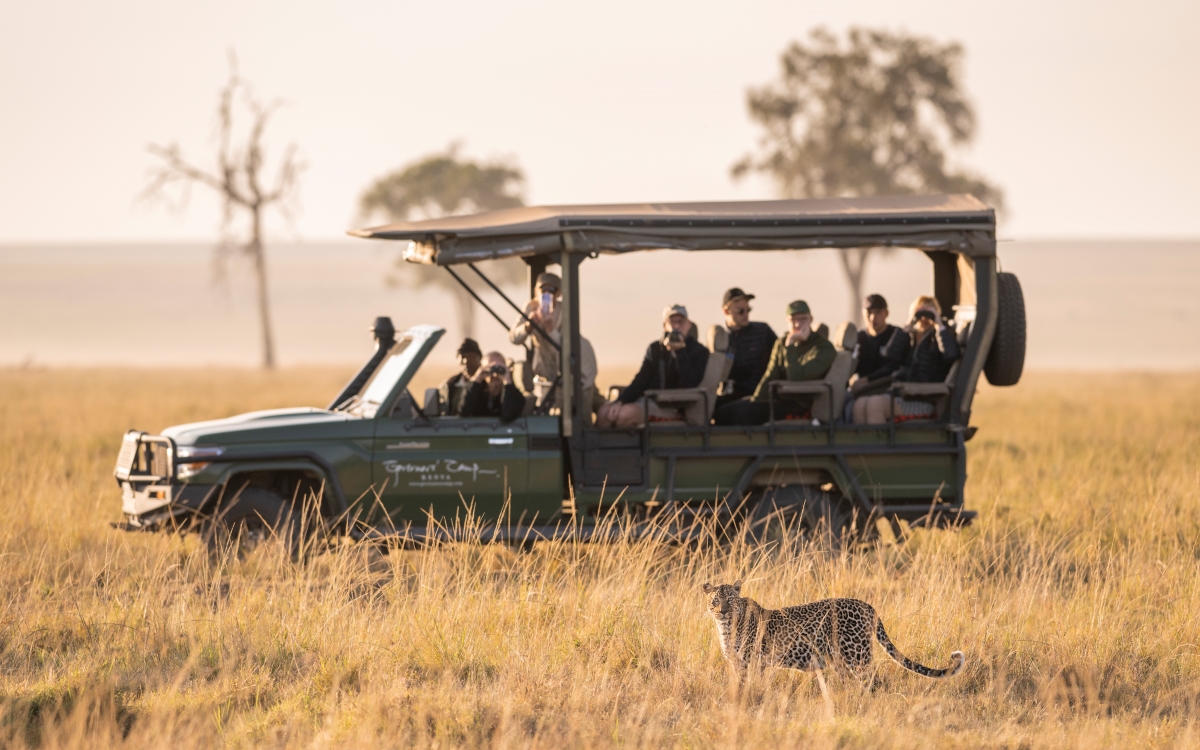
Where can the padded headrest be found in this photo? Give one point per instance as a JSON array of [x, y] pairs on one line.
[[718, 339], [822, 330], [846, 337]]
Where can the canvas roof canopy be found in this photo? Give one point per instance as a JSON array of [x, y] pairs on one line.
[[956, 223]]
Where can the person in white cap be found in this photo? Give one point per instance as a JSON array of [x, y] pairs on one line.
[[545, 309], [674, 361]]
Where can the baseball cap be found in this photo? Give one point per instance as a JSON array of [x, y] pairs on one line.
[[469, 346], [674, 310], [549, 281], [733, 293], [875, 302], [799, 307]]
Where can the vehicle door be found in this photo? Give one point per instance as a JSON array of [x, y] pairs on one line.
[[445, 465]]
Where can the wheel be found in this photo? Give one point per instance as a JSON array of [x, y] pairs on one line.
[[1006, 358], [800, 513], [252, 516]]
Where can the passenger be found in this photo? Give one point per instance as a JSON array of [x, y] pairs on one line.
[[492, 393], [873, 373], [926, 349], [801, 354], [750, 343], [453, 390], [675, 361], [545, 309]]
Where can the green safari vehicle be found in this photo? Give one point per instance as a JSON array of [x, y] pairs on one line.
[[378, 463]]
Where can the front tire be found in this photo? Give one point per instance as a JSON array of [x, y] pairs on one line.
[[238, 525]]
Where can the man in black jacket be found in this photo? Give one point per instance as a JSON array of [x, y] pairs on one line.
[[874, 369], [750, 344], [675, 361], [453, 390], [492, 393]]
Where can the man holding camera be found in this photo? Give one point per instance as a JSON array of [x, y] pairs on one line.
[[675, 361], [492, 393]]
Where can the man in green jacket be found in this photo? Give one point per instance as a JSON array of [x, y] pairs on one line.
[[800, 354]]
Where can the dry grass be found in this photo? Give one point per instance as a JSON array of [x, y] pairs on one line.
[[1074, 597]]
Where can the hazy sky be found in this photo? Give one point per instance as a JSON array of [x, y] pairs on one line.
[[1088, 110]]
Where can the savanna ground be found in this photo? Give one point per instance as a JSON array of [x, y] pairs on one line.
[[1074, 596]]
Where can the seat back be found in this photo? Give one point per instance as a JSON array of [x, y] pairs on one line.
[[844, 340]]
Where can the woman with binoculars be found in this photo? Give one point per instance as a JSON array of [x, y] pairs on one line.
[[926, 349]]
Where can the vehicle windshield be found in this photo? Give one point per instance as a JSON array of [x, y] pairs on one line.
[[385, 377]]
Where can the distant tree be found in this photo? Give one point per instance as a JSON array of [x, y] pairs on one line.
[[873, 116], [445, 184], [238, 179]]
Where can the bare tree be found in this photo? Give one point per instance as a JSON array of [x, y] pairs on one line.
[[445, 184], [238, 180], [876, 115]]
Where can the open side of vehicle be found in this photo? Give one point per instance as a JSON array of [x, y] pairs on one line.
[[379, 464]]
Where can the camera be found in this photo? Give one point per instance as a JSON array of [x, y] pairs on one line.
[[497, 369], [926, 314], [674, 337]]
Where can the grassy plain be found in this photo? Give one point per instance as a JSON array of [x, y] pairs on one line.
[[1075, 598]]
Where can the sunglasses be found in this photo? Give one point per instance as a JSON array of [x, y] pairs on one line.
[[739, 310]]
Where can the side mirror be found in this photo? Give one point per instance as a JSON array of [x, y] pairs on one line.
[[433, 402]]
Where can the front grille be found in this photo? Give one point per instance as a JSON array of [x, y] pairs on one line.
[[144, 458]]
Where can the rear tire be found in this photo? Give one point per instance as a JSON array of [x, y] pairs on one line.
[[1006, 358], [238, 525], [800, 513]]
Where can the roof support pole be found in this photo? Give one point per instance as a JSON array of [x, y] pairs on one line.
[[572, 401]]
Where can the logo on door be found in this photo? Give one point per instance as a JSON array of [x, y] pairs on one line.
[[446, 472]]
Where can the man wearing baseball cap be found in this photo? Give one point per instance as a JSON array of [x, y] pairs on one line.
[[453, 390], [674, 361], [545, 309], [800, 354], [750, 343]]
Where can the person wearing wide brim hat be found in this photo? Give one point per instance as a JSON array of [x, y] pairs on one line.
[[544, 312], [677, 360], [800, 354], [455, 387], [750, 343]]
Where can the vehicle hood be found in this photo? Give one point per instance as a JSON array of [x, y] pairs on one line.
[[257, 426]]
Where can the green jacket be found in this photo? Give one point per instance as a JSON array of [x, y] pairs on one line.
[[809, 360]]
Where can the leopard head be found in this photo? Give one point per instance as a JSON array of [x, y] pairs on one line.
[[721, 598]]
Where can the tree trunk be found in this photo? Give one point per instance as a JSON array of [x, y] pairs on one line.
[[854, 263], [264, 308]]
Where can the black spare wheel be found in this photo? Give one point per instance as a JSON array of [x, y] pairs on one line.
[[1006, 358]]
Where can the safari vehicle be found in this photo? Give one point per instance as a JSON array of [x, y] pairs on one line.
[[381, 463]]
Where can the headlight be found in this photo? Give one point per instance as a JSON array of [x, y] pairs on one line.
[[186, 467]]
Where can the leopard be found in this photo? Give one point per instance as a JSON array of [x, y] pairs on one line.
[[814, 636]]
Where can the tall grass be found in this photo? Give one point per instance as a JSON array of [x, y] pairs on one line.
[[1074, 597]]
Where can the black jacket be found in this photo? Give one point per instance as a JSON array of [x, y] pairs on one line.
[[751, 348], [873, 362], [479, 402], [663, 368], [928, 361]]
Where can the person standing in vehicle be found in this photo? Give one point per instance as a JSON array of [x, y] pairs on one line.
[[926, 349], [675, 361], [545, 309], [455, 387], [492, 393], [800, 354], [750, 344]]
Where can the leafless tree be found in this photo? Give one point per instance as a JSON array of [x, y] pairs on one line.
[[877, 114], [238, 179]]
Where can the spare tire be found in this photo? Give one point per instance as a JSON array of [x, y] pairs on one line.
[[1006, 358]]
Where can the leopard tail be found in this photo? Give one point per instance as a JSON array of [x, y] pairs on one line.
[[937, 674]]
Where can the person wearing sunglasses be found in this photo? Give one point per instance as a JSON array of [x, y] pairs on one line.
[[926, 349], [750, 343]]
